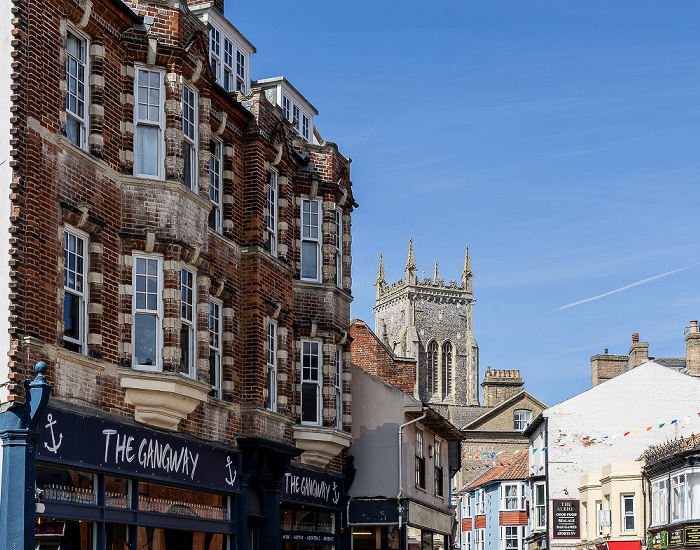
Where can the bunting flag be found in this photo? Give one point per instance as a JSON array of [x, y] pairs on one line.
[[486, 455]]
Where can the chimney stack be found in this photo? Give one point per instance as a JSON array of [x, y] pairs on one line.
[[692, 349], [605, 366], [639, 352], [500, 385]]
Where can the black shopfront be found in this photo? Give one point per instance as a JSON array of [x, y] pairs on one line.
[[107, 483], [311, 509]]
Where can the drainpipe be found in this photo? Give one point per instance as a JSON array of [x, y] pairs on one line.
[[398, 497]]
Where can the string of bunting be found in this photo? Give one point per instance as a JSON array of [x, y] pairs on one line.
[[489, 455]]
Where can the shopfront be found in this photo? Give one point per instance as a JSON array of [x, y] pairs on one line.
[[107, 484], [311, 509]]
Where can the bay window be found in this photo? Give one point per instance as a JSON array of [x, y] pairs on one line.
[[659, 502], [147, 335], [149, 121], [511, 537], [512, 496], [311, 238], [678, 497], [479, 508], [338, 242], [339, 389], [311, 382]]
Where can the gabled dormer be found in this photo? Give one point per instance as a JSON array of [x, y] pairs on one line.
[[295, 107], [229, 50]]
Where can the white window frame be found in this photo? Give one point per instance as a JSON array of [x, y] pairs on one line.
[[286, 107], [625, 515], [215, 52], [659, 502], [305, 120], [271, 204], [188, 320], [241, 70], [73, 92], [75, 284], [479, 509], [142, 123], [468, 498], [296, 117], [317, 241], [511, 532], [338, 242], [215, 347], [190, 129], [338, 386], [512, 503], [228, 72], [466, 540], [521, 419], [678, 509], [271, 363], [215, 185], [309, 378], [479, 535], [540, 506], [598, 509], [157, 313]]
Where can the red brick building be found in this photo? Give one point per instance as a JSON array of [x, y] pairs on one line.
[[180, 256]]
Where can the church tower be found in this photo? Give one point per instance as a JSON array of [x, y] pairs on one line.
[[431, 322]]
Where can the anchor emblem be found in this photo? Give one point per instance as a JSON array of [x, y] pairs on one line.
[[55, 445], [336, 495], [231, 479]]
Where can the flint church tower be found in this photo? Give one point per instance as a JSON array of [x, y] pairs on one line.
[[432, 323]]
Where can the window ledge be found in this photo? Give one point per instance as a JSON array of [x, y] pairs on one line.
[[162, 399], [320, 445]]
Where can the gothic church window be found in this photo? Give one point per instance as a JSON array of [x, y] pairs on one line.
[[432, 367], [446, 369]]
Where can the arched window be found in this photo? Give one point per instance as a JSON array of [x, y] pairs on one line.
[[446, 369], [432, 367]]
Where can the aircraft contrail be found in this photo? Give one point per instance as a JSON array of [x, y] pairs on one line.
[[648, 279]]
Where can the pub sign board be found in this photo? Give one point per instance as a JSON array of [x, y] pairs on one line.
[[566, 519], [78, 440], [311, 487]]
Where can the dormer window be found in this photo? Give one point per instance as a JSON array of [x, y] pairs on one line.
[[229, 59], [295, 107], [286, 107], [241, 78], [295, 117], [215, 51]]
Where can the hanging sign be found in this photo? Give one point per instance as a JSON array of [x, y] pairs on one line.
[[566, 519]]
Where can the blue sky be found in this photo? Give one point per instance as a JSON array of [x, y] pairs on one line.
[[558, 139]]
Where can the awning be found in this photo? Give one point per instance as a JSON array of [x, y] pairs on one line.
[[620, 545]]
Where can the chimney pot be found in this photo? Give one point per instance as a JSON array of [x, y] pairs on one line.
[[635, 338], [606, 351], [693, 326]]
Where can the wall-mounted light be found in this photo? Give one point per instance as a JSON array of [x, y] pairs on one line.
[[430, 451]]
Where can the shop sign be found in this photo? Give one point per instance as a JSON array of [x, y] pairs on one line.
[[92, 442], [566, 519], [50, 529], [311, 487], [675, 538], [309, 537], [692, 535]]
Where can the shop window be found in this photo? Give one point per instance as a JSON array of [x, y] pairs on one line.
[[75, 248], [385, 537], [188, 312], [420, 458], [271, 359], [77, 78], [149, 120], [215, 350], [147, 334], [311, 240], [182, 502], [310, 382], [215, 186]]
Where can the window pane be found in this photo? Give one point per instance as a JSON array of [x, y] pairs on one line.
[[145, 339], [71, 316], [147, 150], [309, 260], [309, 409]]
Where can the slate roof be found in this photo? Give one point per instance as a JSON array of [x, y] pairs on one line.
[[461, 416], [509, 469], [678, 363]]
